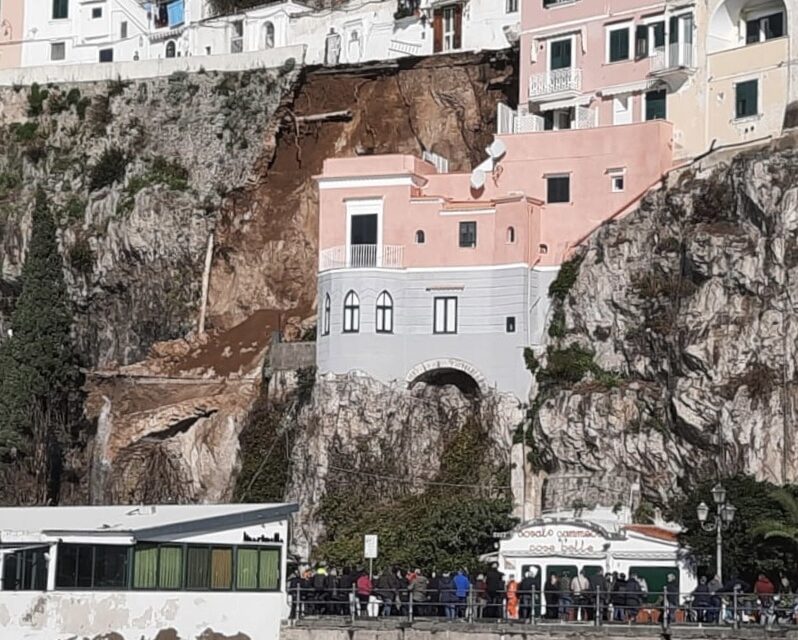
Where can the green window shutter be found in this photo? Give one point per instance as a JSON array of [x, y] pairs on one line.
[[747, 99], [619, 45], [641, 41], [673, 30]]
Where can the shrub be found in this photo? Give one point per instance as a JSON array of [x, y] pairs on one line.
[[26, 132], [567, 366], [81, 106], [531, 361], [81, 257], [169, 172], [57, 103], [74, 208], [557, 324], [117, 87], [73, 97], [36, 99], [565, 279], [110, 168]]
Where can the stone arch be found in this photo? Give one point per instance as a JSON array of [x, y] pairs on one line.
[[723, 29], [442, 369]]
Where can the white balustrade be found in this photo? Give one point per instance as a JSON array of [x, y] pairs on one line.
[[553, 82], [675, 55], [362, 256]]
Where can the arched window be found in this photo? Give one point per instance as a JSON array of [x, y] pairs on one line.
[[325, 316], [268, 35], [384, 313], [420, 239], [171, 49], [543, 248], [510, 235], [351, 313]]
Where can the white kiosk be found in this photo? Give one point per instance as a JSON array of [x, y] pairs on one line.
[[562, 542]]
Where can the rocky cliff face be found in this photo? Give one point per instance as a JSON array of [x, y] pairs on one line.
[[359, 435], [673, 354], [142, 175]]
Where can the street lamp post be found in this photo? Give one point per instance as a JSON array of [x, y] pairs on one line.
[[723, 518]]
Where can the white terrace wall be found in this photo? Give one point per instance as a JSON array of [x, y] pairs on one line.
[[271, 58]]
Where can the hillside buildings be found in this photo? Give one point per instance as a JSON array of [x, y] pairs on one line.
[[426, 275], [140, 571], [68, 33]]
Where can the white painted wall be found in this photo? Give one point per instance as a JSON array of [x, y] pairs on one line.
[[58, 615], [367, 29]]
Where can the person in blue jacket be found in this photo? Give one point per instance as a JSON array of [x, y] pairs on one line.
[[462, 585]]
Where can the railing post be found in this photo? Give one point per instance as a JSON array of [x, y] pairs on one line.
[[410, 607], [597, 611], [353, 603], [734, 609], [532, 617], [666, 611], [298, 608], [470, 605]]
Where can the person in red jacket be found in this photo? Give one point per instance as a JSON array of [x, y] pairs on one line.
[[364, 588], [764, 589]]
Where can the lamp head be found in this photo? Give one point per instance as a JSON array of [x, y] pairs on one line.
[[702, 511], [719, 494]]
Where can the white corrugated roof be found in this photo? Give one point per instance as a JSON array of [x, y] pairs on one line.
[[131, 518]]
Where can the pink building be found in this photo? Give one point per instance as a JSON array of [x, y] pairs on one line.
[[11, 25], [422, 276], [587, 64]]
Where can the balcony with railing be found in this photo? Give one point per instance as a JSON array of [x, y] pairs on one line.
[[362, 256], [560, 83], [674, 56]]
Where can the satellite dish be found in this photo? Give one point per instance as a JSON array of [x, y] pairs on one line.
[[487, 166], [477, 179], [497, 149]]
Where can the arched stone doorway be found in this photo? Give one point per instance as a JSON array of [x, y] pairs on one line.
[[449, 371]]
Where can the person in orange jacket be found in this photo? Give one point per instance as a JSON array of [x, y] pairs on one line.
[[512, 598]]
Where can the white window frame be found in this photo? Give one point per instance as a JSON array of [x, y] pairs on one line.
[[448, 19], [511, 6], [384, 309], [561, 174], [758, 15], [236, 40], [96, 13], [614, 174], [444, 315], [361, 207], [759, 111], [351, 312], [325, 317], [63, 45], [550, 41], [618, 26], [123, 29]]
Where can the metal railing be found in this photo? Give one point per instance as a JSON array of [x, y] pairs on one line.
[[362, 256], [592, 608], [553, 82], [675, 56]]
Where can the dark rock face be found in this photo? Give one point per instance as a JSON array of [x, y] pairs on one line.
[[688, 307]]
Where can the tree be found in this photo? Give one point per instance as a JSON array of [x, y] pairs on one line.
[[39, 374], [744, 552], [785, 529]]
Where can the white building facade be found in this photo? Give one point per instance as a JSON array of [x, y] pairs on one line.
[[77, 32], [136, 571]]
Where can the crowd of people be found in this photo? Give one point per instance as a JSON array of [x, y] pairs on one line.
[[613, 597]]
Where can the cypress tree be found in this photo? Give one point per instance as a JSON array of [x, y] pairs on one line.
[[38, 368]]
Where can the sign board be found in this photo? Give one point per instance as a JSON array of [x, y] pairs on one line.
[[370, 547]]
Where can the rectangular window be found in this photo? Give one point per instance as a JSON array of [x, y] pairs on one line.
[[106, 55], [764, 28], [512, 6], [449, 26], [58, 51], [445, 315], [618, 48], [617, 180], [145, 566], [86, 566], [25, 570], [123, 29], [198, 568], [558, 189], [561, 54], [96, 12], [558, 119], [510, 324], [221, 568], [170, 568], [237, 41], [60, 9], [468, 234], [746, 99], [656, 105]]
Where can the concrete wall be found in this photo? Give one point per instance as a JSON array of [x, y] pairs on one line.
[[271, 58], [486, 297]]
